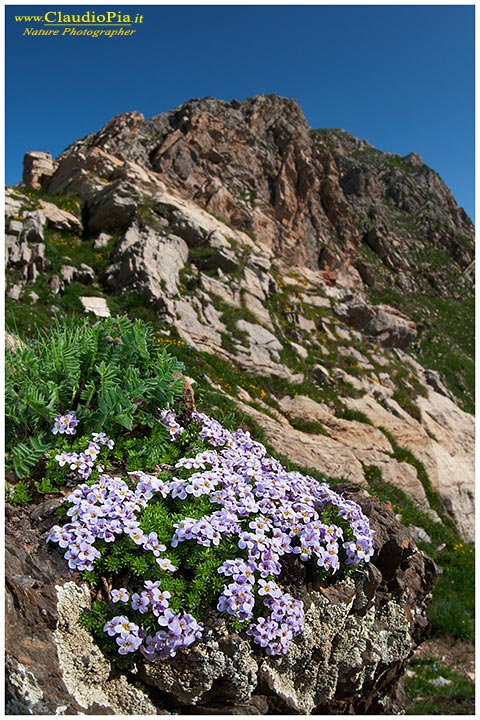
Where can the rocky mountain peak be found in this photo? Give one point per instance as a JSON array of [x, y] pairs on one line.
[[316, 198]]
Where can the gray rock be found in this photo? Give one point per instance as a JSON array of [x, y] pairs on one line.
[[254, 305], [59, 218], [85, 273], [55, 285], [306, 324], [440, 681], [432, 378], [229, 293], [387, 325], [300, 350], [38, 255], [419, 534], [15, 227], [147, 262], [190, 676], [34, 226], [253, 282], [97, 305], [68, 273], [12, 250], [321, 375], [222, 258], [101, 241], [15, 292], [113, 207], [189, 229], [13, 202], [225, 259], [261, 337]]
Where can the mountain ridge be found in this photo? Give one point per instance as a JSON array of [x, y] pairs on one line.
[[258, 165]]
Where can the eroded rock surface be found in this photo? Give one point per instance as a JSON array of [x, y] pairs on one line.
[[359, 633]]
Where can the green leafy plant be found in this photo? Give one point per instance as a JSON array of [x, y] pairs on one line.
[[112, 374], [18, 494]]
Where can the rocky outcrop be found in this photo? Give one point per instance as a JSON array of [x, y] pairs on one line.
[[360, 631], [444, 442], [384, 324], [25, 249], [259, 241], [148, 262], [37, 168]]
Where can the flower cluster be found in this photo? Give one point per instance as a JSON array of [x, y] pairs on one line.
[[83, 462], [65, 424], [268, 512], [286, 619], [176, 629], [286, 506], [105, 511], [169, 419]]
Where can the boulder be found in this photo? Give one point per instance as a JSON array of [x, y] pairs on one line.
[[385, 324], [113, 207], [101, 241], [359, 633], [37, 168], [67, 273], [321, 375], [97, 305], [15, 227], [60, 219], [34, 226], [14, 292], [13, 202]]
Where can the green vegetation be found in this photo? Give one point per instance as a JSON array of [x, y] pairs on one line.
[[395, 162], [308, 426], [347, 414], [446, 341], [435, 689], [112, 374], [19, 494], [452, 609], [71, 203]]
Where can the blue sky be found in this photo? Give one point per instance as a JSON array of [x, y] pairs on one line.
[[401, 77]]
